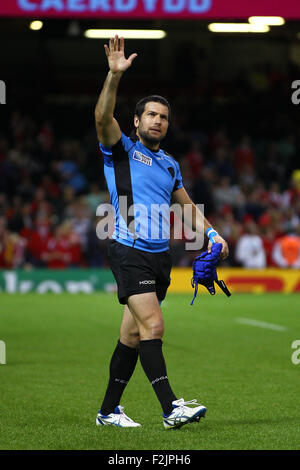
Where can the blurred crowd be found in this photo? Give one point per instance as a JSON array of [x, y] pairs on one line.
[[251, 196], [248, 181]]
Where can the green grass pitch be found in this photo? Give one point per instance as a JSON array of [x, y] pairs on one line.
[[59, 346]]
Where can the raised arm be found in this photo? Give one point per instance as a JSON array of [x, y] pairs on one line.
[[198, 222], [108, 130]]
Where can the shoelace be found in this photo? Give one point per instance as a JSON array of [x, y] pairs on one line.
[[121, 408], [190, 402]]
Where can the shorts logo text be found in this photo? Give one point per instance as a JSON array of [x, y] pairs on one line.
[[147, 282]]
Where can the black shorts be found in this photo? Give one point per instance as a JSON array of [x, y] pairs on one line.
[[137, 271]]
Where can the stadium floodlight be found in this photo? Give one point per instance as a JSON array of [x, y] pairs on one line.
[[36, 25], [269, 20], [238, 28], [125, 33]]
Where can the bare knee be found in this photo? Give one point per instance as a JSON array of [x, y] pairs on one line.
[[153, 329], [148, 315], [130, 338]]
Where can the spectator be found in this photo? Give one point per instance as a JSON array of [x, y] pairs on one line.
[[62, 249], [12, 247], [254, 207], [37, 239], [244, 157], [227, 195], [202, 190], [81, 221], [250, 250], [222, 162], [96, 248], [40, 202], [275, 196], [195, 158], [48, 175], [72, 177], [95, 198], [269, 238], [286, 251]]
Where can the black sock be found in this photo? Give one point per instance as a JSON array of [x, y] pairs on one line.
[[154, 365], [121, 368]]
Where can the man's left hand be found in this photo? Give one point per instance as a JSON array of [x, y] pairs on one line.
[[225, 249]]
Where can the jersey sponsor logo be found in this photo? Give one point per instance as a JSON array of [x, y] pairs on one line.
[[148, 281], [140, 157]]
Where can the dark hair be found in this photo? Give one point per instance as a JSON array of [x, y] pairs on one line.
[[140, 106]]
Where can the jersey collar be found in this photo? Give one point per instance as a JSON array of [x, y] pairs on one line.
[[133, 136]]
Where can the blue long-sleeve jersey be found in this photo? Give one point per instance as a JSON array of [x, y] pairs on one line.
[[147, 179]]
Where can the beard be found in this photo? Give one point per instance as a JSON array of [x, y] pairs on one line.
[[150, 139]]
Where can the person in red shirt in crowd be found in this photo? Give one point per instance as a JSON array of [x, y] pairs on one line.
[[244, 157], [195, 158], [275, 198], [263, 195], [37, 239], [63, 248], [293, 192], [269, 238]]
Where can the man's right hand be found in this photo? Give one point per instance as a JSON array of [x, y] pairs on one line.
[[115, 55]]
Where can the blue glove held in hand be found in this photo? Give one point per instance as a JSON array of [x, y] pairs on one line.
[[205, 271]]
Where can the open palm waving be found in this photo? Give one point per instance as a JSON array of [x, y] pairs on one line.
[[116, 57]]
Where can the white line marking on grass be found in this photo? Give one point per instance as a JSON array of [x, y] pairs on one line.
[[261, 324], [2, 352]]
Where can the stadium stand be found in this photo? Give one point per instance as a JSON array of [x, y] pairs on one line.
[[242, 162]]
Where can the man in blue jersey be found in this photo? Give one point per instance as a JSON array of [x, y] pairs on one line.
[[141, 175]]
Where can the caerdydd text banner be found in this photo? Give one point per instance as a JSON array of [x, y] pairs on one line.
[[221, 9]]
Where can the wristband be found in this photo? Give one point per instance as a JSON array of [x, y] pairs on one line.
[[211, 233]]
